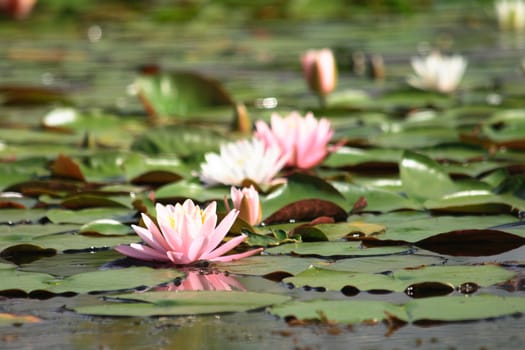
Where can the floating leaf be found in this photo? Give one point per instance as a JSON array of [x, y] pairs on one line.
[[180, 94], [10, 319], [65, 167], [84, 216], [183, 303], [401, 279], [106, 227], [115, 279], [307, 209], [334, 250], [444, 309], [301, 187], [417, 172]]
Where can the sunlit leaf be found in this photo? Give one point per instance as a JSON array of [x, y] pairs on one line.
[[180, 94], [183, 303]]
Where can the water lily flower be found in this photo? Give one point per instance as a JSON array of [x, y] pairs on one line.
[[185, 234], [246, 201], [302, 140], [18, 9], [438, 73], [510, 14], [320, 71], [240, 161]]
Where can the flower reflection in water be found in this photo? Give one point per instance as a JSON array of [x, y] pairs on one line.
[[203, 280]]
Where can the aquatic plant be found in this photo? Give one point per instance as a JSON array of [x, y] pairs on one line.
[[240, 161], [436, 72], [246, 201], [320, 71], [510, 14], [302, 140], [185, 234]]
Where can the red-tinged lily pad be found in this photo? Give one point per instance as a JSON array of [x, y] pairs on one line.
[[9, 319], [156, 178], [303, 187], [30, 95], [472, 242], [65, 167], [25, 253], [307, 209], [52, 187], [180, 94]]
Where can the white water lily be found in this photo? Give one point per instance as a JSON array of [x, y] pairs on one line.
[[510, 14], [436, 72], [242, 160]]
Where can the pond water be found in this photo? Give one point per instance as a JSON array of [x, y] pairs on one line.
[[96, 58]]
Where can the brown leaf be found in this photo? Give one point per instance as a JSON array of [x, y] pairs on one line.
[[471, 242], [306, 210], [65, 167]]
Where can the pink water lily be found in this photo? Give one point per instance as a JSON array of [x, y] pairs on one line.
[[319, 70], [246, 201], [185, 234], [302, 140]]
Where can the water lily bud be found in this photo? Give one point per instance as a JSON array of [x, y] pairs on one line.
[[320, 71], [246, 201]]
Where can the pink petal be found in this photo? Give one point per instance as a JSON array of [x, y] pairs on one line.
[[226, 247], [147, 237], [142, 252], [233, 257], [178, 258], [170, 235], [156, 234], [220, 231]]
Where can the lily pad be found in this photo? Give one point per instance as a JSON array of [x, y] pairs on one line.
[[183, 303]]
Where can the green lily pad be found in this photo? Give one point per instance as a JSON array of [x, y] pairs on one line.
[[417, 172], [446, 309], [114, 279], [180, 94], [333, 250], [401, 279], [85, 216], [183, 303], [106, 227]]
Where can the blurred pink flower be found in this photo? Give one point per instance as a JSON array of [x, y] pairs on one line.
[[246, 201], [319, 70], [185, 234], [196, 280], [302, 140], [18, 9]]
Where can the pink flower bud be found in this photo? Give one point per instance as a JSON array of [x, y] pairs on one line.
[[320, 71], [246, 201]]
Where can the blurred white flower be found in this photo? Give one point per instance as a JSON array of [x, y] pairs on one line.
[[436, 72], [242, 160], [510, 14]]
